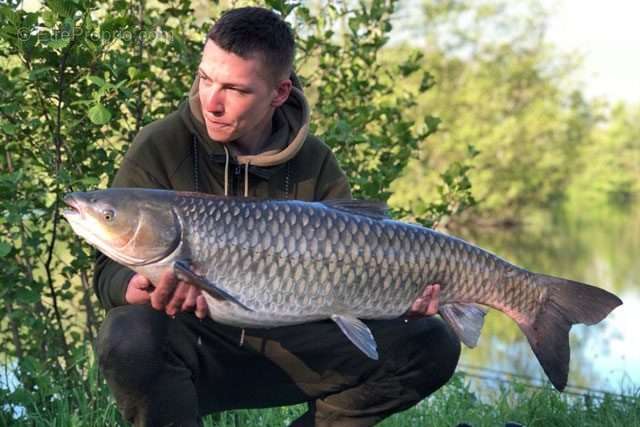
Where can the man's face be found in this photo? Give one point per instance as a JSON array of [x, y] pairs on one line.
[[236, 98]]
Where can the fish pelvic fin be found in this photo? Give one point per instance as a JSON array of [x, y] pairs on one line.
[[358, 333], [566, 303], [466, 320]]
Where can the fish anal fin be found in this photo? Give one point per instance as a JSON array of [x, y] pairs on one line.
[[466, 320], [358, 333], [372, 209], [183, 272]]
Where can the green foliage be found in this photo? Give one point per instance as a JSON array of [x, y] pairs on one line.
[[78, 80], [357, 109], [455, 403], [608, 170], [61, 404], [503, 89]]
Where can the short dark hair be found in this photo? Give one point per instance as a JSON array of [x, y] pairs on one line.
[[249, 31]]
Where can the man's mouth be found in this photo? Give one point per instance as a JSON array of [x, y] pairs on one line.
[[216, 123]]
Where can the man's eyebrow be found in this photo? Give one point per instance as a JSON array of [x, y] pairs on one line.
[[229, 85], [237, 86]]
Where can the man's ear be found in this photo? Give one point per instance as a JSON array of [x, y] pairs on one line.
[[282, 92]]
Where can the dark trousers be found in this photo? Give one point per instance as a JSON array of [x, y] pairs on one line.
[[165, 371]]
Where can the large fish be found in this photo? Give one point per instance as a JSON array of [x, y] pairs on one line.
[[267, 263]]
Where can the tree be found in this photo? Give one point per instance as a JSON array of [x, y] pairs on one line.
[[608, 170], [504, 91]]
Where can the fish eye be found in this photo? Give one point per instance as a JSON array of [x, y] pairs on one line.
[[108, 215]]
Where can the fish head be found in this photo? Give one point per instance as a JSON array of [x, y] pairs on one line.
[[134, 227]]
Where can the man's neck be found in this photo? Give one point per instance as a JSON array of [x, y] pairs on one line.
[[255, 142]]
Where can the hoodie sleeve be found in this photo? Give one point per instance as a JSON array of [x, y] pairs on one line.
[[110, 279]]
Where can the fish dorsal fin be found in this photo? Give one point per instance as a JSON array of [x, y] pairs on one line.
[[371, 209], [358, 333], [466, 321]]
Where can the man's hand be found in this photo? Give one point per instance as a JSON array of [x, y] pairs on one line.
[[427, 303], [170, 295], [138, 290]]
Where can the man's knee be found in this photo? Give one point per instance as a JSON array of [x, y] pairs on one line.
[[439, 355], [131, 344]]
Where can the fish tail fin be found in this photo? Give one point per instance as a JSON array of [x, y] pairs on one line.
[[566, 303]]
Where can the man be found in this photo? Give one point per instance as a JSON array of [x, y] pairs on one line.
[[243, 132]]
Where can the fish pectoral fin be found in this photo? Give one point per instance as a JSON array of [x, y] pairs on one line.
[[358, 333], [183, 272], [466, 320]]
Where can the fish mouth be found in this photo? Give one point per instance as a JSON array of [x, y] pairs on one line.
[[73, 206]]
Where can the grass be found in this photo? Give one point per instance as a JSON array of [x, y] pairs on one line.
[[52, 405]]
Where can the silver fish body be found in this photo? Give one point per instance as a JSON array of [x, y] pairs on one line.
[[291, 262], [295, 262]]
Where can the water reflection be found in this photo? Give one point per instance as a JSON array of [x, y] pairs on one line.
[[603, 252]]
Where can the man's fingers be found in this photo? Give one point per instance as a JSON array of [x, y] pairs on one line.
[[420, 304], [201, 307], [163, 292], [138, 290], [434, 301], [189, 303], [178, 298], [427, 304], [138, 281]]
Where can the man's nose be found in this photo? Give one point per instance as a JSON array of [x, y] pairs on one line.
[[215, 103]]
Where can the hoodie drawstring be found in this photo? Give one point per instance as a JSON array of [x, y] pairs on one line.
[[196, 166], [226, 170], [226, 174], [246, 179]]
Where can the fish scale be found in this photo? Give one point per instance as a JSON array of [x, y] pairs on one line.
[[264, 263]]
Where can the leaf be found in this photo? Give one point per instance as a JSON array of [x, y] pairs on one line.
[[40, 72], [432, 123], [59, 43], [5, 248], [62, 8], [282, 6], [27, 295], [90, 181], [9, 128], [99, 115], [97, 81], [132, 72], [427, 82]]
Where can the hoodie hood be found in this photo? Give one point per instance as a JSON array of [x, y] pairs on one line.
[[289, 130]]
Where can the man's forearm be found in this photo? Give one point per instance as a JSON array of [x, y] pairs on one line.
[[110, 281]]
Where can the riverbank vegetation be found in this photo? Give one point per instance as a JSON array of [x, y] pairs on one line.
[[474, 120], [91, 406]]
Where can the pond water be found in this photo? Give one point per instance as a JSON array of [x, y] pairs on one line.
[[603, 252]]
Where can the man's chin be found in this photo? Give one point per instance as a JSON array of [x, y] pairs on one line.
[[218, 136]]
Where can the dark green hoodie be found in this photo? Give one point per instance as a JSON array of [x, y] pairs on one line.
[[176, 153]]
